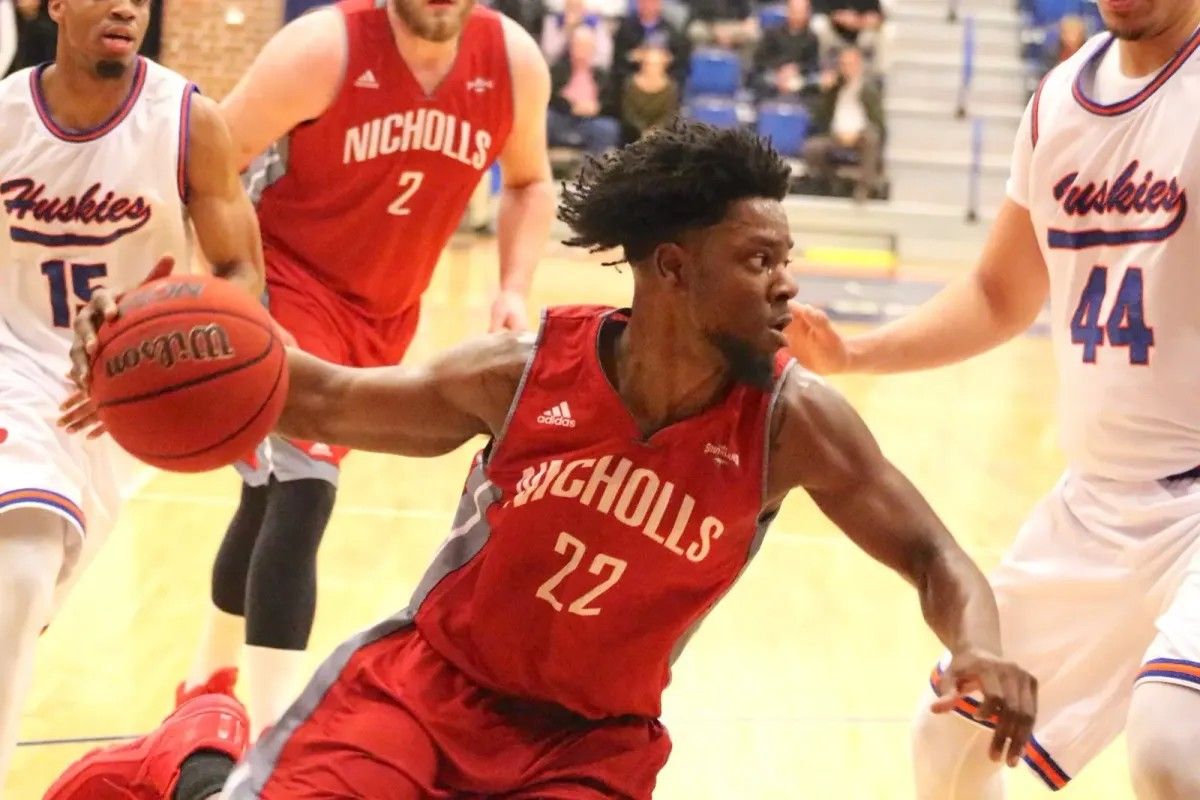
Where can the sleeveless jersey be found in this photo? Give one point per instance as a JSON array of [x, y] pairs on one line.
[[84, 209], [584, 555], [1108, 189], [373, 189]]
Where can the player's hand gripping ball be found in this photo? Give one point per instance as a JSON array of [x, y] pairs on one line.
[[191, 375]]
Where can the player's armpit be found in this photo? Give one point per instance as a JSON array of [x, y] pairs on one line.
[[225, 222], [417, 411]]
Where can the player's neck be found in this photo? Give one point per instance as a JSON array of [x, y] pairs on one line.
[[77, 98], [428, 61], [1145, 56], [663, 373]]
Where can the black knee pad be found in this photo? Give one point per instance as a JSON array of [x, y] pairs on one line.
[[233, 558], [281, 592]]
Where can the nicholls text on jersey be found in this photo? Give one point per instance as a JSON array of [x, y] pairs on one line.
[[426, 129], [634, 496]]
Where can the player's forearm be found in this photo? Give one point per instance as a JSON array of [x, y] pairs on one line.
[[242, 272], [523, 226], [962, 321], [957, 601]]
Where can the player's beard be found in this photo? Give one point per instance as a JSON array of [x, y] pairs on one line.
[[111, 70], [441, 29], [747, 364]]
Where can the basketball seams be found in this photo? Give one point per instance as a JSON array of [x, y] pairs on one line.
[[279, 373]]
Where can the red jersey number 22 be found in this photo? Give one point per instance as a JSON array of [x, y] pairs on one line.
[[574, 549], [410, 181]]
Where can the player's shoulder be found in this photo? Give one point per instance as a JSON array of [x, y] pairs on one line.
[[810, 417], [525, 56], [318, 34]]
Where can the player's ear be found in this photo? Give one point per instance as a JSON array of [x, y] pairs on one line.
[[56, 10], [669, 262]]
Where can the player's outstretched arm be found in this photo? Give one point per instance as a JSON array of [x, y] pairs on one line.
[[997, 300], [225, 222], [422, 410], [820, 443], [292, 80], [527, 198]]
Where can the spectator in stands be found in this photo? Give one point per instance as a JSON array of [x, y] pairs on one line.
[[1072, 34], [606, 9], [647, 20], [557, 29], [37, 35], [849, 123], [728, 24], [526, 13], [848, 22], [578, 86], [788, 60], [651, 96]]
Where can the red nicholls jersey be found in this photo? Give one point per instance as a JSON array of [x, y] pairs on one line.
[[584, 555], [374, 187]]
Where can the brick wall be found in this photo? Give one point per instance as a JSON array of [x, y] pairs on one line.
[[199, 43]]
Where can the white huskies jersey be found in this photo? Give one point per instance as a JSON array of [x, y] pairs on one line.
[[1109, 187], [83, 209]]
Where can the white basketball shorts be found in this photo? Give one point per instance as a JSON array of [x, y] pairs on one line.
[[1099, 592], [44, 467]]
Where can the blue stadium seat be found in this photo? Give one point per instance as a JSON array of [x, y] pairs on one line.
[[716, 111], [770, 16], [714, 72], [1049, 11], [786, 125]]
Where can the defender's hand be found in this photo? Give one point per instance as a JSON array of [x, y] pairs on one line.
[[814, 342], [1009, 699], [79, 414], [508, 312]]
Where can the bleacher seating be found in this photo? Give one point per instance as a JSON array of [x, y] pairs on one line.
[[786, 125], [714, 72], [719, 111]]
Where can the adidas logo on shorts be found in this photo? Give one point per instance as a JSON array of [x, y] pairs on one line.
[[560, 415]]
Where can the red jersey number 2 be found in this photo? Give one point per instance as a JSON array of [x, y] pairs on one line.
[[601, 562], [410, 182]]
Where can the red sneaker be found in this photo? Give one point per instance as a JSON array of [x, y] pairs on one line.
[[148, 768], [221, 682]]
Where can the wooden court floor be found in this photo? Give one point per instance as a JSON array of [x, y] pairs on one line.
[[799, 686]]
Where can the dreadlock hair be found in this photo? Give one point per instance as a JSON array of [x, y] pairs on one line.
[[678, 178]]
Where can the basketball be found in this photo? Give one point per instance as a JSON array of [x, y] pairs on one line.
[[191, 376]]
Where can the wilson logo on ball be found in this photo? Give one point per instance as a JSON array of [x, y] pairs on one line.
[[202, 343]]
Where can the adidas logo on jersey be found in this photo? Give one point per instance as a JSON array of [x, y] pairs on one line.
[[367, 81], [560, 415]]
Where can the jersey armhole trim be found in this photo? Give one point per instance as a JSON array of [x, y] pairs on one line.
[[516, 401], [1033, 114], [185, 137], [776, 393]]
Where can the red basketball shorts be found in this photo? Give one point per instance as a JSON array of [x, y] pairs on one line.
[[336, 330], [399, 721]]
